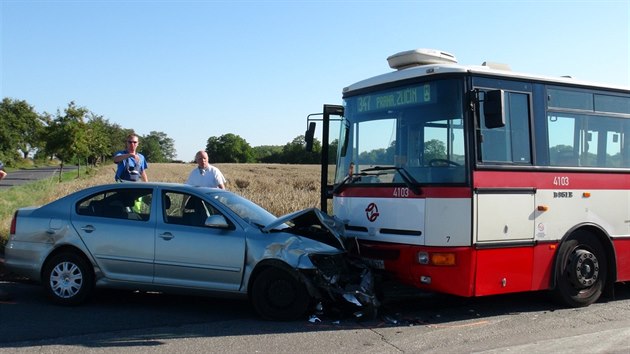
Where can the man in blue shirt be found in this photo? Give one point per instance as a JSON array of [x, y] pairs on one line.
[[131, 164]]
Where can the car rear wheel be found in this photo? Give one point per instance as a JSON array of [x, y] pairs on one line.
[[68, 279], [582, 270], [279, 295]]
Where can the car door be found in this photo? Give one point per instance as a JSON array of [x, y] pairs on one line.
[[117, 228], [189, 254]]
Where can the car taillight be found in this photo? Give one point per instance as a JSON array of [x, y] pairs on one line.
[[13, 222]]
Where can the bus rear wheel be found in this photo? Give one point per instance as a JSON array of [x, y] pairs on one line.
[[582, 270]]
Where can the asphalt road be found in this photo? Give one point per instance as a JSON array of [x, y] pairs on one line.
[[19, 177], [128, 322]]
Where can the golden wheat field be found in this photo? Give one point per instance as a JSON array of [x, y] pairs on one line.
[[279, 188]]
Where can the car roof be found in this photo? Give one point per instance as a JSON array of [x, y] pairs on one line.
[[180, 186], [168, 185]]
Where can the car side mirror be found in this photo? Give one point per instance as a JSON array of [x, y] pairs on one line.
[[217, 221]]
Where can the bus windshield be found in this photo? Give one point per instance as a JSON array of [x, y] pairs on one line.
[[408, 133]]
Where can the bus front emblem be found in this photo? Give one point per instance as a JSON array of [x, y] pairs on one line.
[[371, 212]]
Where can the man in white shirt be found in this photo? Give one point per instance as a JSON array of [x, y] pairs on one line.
[[205, 175]]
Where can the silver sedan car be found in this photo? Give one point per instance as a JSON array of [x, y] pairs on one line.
[[178, 238]]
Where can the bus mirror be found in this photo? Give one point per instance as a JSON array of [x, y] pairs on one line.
[[333, 110], [493, 109], [346, 136], [309, 136]]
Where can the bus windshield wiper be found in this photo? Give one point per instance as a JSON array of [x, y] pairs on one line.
[[347, 180], [351, 178], [406, 176]]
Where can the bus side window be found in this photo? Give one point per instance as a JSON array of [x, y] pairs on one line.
[[561, 130], [587, 140]]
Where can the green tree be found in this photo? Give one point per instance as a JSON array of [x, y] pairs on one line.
[[67, 136], [295, 152], [21, 129], [151, 149], [268, 153], [99, 139], [332, 151], [434, 149], [229, 148], [563, 155], [158, 147], [379, 156]]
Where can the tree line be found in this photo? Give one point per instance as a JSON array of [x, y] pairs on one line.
[[231, 148], [78, 136], [73, 136]]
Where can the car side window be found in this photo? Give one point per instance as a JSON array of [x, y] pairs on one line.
[[129, 204], [185, 209]]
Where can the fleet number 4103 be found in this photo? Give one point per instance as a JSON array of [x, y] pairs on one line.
[[401, 192], [561, 181]]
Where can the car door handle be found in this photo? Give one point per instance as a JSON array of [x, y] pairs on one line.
[[167, 236], [88, 228]]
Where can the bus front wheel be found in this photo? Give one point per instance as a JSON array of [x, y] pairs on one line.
[[581, 271]]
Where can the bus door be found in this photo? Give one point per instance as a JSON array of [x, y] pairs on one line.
[[504, 198]]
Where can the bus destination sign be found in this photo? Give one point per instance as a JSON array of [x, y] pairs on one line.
[[394, 99]]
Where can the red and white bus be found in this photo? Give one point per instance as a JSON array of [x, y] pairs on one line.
[[476, 180]]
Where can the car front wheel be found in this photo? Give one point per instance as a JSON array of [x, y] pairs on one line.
[[279, 295], [68, 279]]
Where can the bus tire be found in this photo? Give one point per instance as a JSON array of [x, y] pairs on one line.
[[581, 271]]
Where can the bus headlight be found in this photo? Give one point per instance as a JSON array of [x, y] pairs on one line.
[[423, 258]]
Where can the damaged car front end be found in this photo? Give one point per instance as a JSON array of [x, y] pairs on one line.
[[337, 282]]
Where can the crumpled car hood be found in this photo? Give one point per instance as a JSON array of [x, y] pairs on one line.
[[311, 223], [338, 280]]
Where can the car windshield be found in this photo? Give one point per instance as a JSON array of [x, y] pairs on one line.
[[247, 210]]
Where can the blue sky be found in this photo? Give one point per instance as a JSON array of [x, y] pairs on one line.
[[197, 69]]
